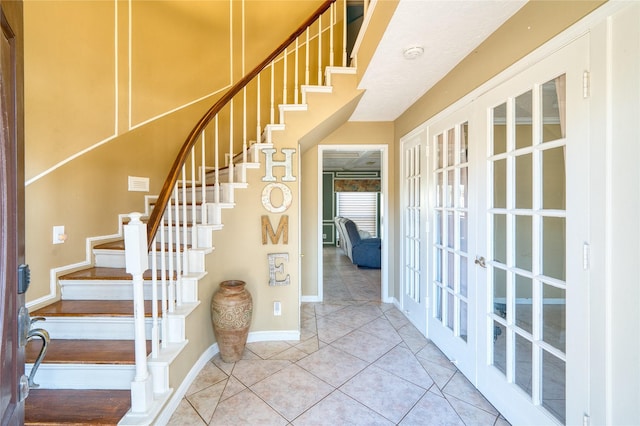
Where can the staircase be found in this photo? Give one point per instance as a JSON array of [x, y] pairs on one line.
[[91, 373]]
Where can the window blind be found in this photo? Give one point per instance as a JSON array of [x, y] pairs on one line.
[[360, 207]]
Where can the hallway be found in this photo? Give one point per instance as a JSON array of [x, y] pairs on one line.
[[358, 362]]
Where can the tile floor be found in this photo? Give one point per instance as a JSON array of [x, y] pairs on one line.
[[358, 362]]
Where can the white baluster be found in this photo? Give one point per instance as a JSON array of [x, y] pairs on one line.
[[216, 195], [244, 125], [284, 78], [258, 127], [171, 286], [320, 50], [230, 177], [332, 22], [163, 281], [344, 33], [295, 75], [155, 344], [306, 64], [273, 108], [203, 183]]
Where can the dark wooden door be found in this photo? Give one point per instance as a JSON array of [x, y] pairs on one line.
[[11, 214]]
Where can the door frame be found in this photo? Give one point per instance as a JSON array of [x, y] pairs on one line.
[[384, 214]]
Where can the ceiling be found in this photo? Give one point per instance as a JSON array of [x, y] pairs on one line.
[[447, 30], [350, 160]]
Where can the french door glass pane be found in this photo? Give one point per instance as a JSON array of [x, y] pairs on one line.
[[523, 242], [462, 186], [500, 292], [438, 227], [500, 184], [500, 347], [524, 181], [463, 276], [450, 311], [554, 316], [464, 143], [500, 129], [440, 189], [553, 109], [524, 303], [524, 363], [438, 303], [462, 231], [553, 179], [524, 118], [463, 320], [440, 152], [553, 247], [451, 143], [553, 385], [450, 269], [500, 238]]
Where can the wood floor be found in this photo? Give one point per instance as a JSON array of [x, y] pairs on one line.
[[76, 407]]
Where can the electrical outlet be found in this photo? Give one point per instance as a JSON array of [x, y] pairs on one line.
[[277, 309]]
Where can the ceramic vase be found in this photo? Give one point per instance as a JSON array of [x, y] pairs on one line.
[[231, 310]]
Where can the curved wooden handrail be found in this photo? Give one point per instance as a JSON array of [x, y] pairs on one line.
[[172, 178]]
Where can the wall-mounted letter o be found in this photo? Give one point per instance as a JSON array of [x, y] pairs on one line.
[[286, 197]]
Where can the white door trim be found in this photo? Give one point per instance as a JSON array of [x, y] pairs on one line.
[[384, 214]]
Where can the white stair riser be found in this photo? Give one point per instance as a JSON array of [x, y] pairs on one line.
[[193, 261], [83, 376], [99, 328], [123, 290]]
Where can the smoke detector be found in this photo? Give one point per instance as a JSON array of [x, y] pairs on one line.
[[413, 52]]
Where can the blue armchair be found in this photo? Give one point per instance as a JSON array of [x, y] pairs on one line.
[[365, 251]]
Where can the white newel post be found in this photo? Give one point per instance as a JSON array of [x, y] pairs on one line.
[[137, 262]]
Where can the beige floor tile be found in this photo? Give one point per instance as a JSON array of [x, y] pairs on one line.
[[308, 346], [329, 330], [246, 408], [363, 345], [402, 363], [382, 328], [291, 391], [332, 365], [185, 415], [233, 387], [249, 372], [291, 354], [413, 338], [266, 350], [470, 414], [339, 409], [389, 395], [432, 410], [209, 375], [459, 387], [437, 372], [206, 400]]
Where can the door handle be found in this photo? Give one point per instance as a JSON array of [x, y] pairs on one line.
[[480, 261]]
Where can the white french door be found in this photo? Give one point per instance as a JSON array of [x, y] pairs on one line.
[[508, 283], [414, 296], [533, 286], [452, 289]]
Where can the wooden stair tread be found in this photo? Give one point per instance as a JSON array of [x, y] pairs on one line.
[[103, 273], [119, 245], [120, 352], [76, 406], [91, 308]]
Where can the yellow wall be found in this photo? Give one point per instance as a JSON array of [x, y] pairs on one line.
[[112, 82]]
